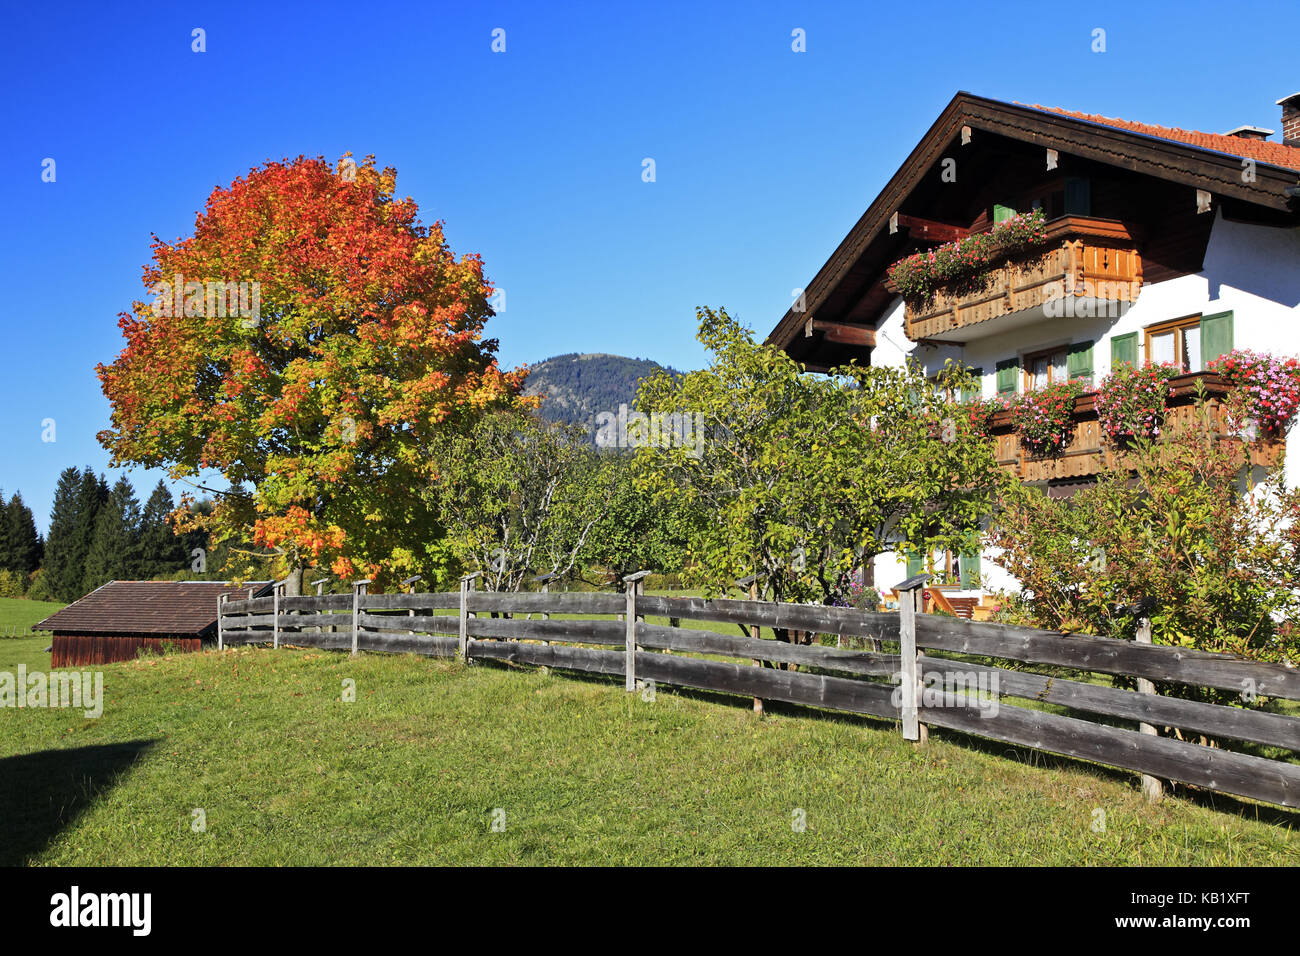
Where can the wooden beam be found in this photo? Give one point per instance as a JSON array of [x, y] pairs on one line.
[[930, 230], [842, 333]]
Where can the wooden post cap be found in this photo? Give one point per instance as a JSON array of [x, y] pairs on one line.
[[912, 583]]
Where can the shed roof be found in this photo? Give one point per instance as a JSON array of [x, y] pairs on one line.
[[148, 607]]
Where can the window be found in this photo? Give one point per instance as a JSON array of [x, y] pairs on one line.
[[1046, 368], [1190, 343]]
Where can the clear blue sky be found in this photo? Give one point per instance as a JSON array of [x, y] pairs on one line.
[[765, 157]]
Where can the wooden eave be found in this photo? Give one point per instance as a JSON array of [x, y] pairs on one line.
[[1193, 166]]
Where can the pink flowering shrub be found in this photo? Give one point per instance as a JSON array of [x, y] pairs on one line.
[[1042, 417], [917, 276], [1131, 402], [1265, 389]]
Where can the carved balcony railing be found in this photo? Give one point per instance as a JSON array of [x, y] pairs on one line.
[[1083, 259], [1089, 450]]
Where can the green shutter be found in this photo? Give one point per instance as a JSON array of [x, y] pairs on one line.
[[1008, 373], [1078, 362], [1216, 337], [915, 564], [1124, 350], [1078, 197], [1002, 213], [970, 570], [976, 390]]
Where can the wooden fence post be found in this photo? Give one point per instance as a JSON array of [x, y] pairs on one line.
[[910, 595], [1152, 788], [409, 584], [320, 589], [466, 586], [358, 589], [276, 588], [755, 631], [221, 628], [632, 587], [545, 581]]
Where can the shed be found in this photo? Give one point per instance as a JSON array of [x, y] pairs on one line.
[[118, 620]]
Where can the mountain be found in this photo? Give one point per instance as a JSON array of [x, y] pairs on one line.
[[577, 387]]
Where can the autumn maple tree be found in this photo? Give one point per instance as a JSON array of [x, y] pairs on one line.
[[354, 340]]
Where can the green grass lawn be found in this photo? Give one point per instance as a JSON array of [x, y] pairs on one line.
[[285, 772], [17, 615]]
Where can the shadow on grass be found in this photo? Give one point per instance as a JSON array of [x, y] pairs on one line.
[[43, 793]]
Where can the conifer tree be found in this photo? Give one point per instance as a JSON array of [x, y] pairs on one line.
[[113, 554], [7, 556], [64, 551], [24, 544], [162, 552]]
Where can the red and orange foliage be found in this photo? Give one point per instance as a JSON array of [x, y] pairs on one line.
[[368, 340]]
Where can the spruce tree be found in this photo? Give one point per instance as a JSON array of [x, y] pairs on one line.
[[162, 551], [114, 546], [7, 556], [64, 559], [24, 544]]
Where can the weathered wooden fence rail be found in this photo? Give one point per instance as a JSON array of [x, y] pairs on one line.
[[917, 688]]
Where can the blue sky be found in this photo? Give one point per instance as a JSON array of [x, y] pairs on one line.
[[533, 158]]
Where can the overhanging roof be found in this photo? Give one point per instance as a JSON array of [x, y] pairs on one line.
[[1186, 163]]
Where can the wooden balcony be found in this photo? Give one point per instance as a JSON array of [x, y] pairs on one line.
[[1087, 452], [1083, 258]]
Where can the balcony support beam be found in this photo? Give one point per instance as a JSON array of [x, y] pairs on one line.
[[926, 229], [841, 333]]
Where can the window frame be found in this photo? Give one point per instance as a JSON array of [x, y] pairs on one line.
[[1181, 324], [1027, 367]]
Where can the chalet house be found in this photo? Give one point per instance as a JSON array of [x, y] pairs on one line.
[[1163, 245], [118, 620]]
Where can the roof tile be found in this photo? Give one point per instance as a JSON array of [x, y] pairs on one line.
[[1276, 154]]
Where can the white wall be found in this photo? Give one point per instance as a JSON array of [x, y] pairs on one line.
[[1254, 271]]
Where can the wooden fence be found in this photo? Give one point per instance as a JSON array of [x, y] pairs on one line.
[[917, 689]]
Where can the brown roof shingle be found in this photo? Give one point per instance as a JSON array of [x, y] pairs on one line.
[[1276, 154], [147, 607]]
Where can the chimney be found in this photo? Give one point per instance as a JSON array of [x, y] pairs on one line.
[[1290, 119], [1250, 132]]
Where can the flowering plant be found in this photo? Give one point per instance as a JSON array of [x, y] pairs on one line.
[[917, 276], [1131, 401], [862, 597], [1042, 417], [1266, 389], [978, 414]]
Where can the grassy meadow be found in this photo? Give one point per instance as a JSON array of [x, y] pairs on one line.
[[259, 747], [18, 615]]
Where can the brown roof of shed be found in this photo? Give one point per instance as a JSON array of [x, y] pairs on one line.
[[148, 607]]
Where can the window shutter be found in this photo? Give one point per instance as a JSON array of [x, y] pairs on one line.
[[1078, 197], [1002, 213], [915, 564], [1124, 350], [970, 570], [1078, 363], [1008, 372], [976, 390], [1216, 337]]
